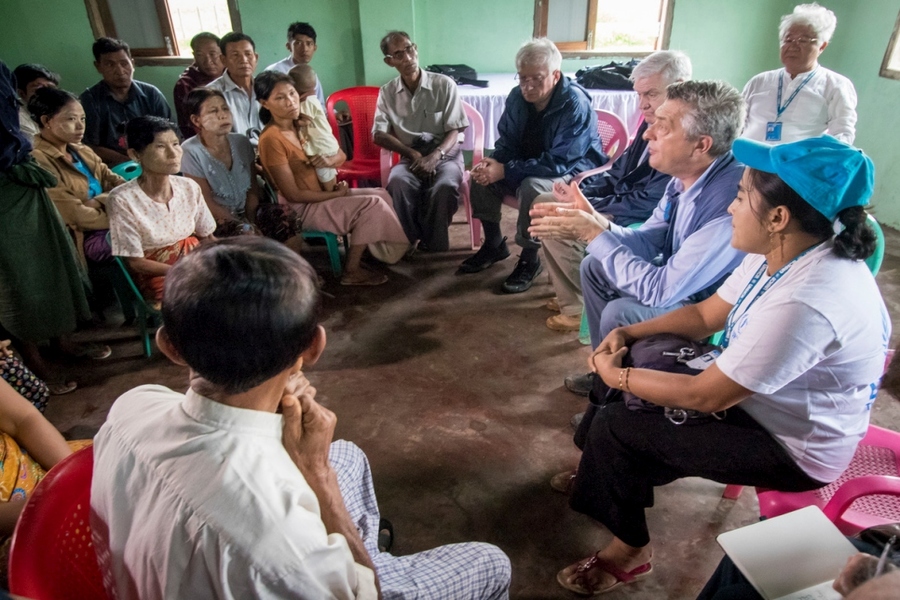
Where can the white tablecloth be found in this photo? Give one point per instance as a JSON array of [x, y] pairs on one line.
[[491, 101]]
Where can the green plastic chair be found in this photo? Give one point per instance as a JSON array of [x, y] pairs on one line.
[[331, 242], [144, 311], [127, 170], [874, 261], [584, 334]]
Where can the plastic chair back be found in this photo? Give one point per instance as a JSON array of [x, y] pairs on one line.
[[866, 494], [874, 261], [144, 310], [614, 139], [127, 170], [361, 102], [52, 554]]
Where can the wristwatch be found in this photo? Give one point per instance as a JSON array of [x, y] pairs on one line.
[[443, 154]]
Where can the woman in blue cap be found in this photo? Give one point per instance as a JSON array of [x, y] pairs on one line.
[[806, 332]]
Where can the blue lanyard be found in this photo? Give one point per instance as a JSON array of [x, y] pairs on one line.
[[731, 321], [778, 105]]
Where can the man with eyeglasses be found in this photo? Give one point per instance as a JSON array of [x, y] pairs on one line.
[[804, 99], [206, 68], [419, 116], [548, 133]]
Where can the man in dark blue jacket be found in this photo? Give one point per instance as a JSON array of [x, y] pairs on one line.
[[626, 194], [548, 133]]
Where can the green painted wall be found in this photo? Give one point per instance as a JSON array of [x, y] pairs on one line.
[[857, 50]]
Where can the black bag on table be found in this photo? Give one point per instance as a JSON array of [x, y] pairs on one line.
[[614, 76], [461, 74]]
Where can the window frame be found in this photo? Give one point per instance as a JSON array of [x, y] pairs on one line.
[[102, 25], [891, 68], [579, 49]]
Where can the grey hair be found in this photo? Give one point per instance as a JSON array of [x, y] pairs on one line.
[[390, 37], [714, 108], [818, 17], [539, 51], [673, 65]]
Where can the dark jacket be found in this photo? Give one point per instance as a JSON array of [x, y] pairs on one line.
[[14, 147], [631, 189], [569, 135]]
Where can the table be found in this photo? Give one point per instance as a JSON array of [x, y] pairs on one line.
[[491, 101]]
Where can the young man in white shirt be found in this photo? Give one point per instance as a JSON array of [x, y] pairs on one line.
[[301, 43], [214, 494]]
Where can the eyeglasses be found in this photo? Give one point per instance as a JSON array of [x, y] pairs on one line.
[[410, 49], [530, 82], [800, 41]]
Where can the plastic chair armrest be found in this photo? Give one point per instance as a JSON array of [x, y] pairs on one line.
[[866, 485], [585, 174]]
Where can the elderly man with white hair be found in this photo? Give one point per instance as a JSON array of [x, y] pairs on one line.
[[626, 194], [548, 133], [804, 99]]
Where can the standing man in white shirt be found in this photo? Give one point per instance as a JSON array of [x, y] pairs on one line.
[[236, 84], [804, 99], [301, 43], [235, 490]]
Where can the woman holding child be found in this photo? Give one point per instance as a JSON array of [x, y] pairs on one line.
[[157, 218], [787, 401], [365, 214]]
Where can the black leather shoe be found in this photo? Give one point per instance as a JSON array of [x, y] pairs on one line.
[[580, 384], [484, 258], [522, 276]]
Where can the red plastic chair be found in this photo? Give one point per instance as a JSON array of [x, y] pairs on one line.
[[366, 162], [52, 554], [475, 132], [867, 494], [613, 139]]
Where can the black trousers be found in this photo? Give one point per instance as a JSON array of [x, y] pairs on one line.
[[628, 453]]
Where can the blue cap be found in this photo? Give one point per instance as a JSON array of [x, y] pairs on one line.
[[829, 174]]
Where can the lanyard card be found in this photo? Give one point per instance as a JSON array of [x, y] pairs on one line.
[[773, 131], [701, 363]]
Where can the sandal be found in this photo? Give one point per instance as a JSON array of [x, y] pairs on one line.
[[364, 278], [552, 304], [58, 389], [563, 482], [92, 350], [580, 584]]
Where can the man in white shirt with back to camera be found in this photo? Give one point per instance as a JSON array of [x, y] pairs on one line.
[[235, 489]]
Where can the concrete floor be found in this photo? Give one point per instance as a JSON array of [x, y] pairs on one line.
[[455, 393]]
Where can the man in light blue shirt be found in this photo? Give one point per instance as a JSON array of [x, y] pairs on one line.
[[301, 42], [683, 252]]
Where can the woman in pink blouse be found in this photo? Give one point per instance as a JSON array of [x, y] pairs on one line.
[[157, 218]]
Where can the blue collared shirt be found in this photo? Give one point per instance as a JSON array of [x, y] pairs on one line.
[[631, 257]]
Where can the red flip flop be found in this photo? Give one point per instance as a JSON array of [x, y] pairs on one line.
[[580, 585]]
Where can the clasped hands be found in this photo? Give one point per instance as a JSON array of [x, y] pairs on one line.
[[424, 167], [570, 218], [308, 428], [488, 171], [606, 360]]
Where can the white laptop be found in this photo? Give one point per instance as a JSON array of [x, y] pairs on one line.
[[795, 556]]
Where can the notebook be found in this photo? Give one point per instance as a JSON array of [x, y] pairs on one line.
[[795, 556]]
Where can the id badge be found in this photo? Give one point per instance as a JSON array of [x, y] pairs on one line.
[[702, 362], [773, 131]]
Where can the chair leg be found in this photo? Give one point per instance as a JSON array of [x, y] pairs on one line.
[[732, 492], [145, 334], [334, 254]]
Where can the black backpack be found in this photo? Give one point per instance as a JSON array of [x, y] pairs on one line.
[[461, 74], [613, 76]]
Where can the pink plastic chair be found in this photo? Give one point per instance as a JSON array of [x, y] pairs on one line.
[[52, 554], [361, 102], [867, 494], [475, 132], [613, 139]]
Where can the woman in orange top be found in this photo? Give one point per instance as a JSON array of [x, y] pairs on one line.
[[366, 214]]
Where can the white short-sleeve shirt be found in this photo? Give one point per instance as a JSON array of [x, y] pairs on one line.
[[812, 350], [138, 225]]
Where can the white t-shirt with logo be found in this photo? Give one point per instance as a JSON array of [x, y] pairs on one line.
[[812, 350]]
